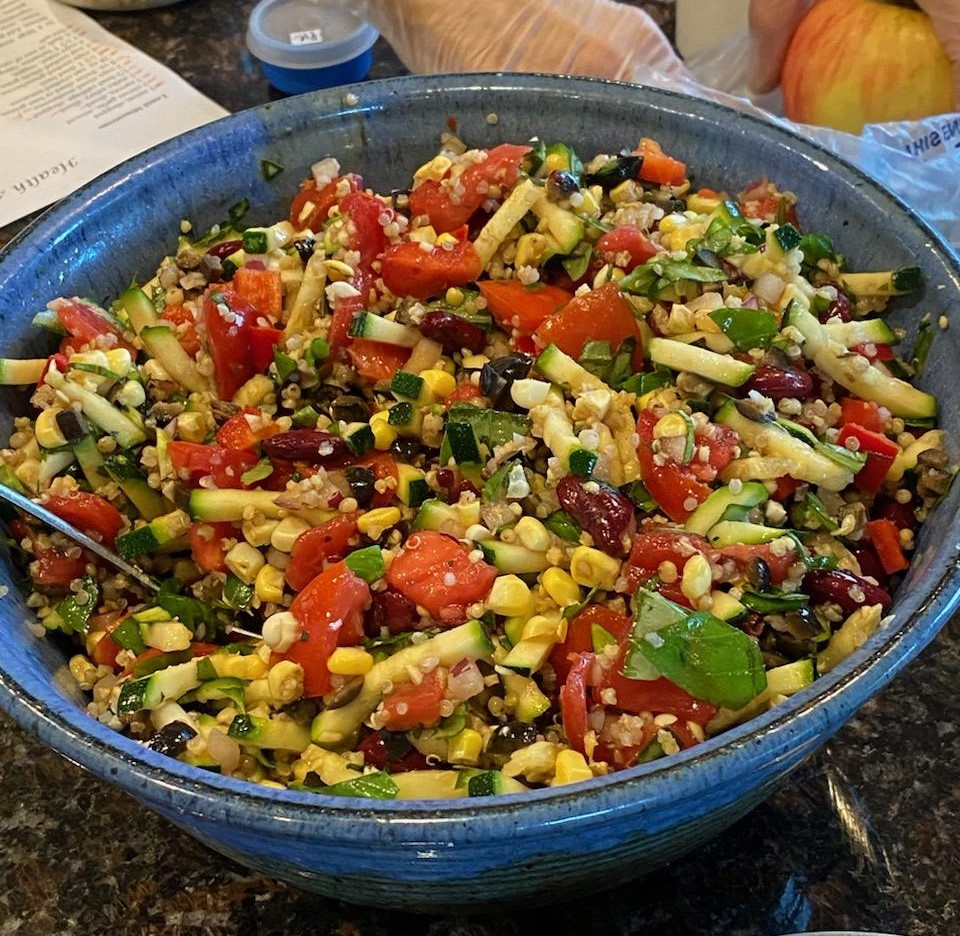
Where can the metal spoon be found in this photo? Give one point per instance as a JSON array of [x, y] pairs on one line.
[[61, 526]]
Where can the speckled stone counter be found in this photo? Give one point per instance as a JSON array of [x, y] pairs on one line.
[[863, 837]]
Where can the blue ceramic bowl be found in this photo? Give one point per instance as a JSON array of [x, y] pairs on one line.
[[549, 843]]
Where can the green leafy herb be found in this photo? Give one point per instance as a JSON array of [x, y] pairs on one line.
[[237, 594], [576, 266], [262, 469], [161, 661], [571, 611], [197, 615], [638, 493], [378, 785], [812, 514], [366, 563], [656, 276], [746, 328], [773, 602], [817, 247], [921, 347], [72, 614], [562, 524], [270, 169], [238, 210], [708, 657], [644, 383]]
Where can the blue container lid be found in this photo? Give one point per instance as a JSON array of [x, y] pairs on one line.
[[311, 39]]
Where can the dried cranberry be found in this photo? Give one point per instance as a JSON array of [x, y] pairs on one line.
[[307, 445], [779, 383], [752, 625], [462, 487], [605, 514], [390, 750], [836, 585], [392, 610], [452, 331], [839, 308], [223, 250], [446, 478]]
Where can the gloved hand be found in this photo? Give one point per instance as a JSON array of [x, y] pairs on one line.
[[599, 38], [772, 24]]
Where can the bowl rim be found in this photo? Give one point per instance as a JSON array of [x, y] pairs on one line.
[[123, 761]]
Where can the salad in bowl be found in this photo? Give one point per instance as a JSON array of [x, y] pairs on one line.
[[541, 468]]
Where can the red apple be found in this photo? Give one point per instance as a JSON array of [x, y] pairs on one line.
[[852, 62]]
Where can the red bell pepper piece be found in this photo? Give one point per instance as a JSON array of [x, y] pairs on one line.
[[880, 450], [886, 541]]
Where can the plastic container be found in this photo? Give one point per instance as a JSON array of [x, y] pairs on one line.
[[306, 45]]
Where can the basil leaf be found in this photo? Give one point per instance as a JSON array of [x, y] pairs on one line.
[[562, 524], [612, 368], [366, 563], [576, 267], [651, 612], [655, 276], [921, 347], [707, 657], [774, 602], [270, 169], [378, 785], [237, 594], [197, 615], [596, 357], [262, 469], [644, 383], [284, 364], [817, 247], [73, 613], [746, 328]]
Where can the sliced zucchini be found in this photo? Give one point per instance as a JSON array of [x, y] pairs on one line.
[[529, 654], [158, 532], [337, 727], [512, 557], [122, 468], [161, 343], [375, 328], [857, 375], [886, 283], [562, 369], [139, 308], [148, 692], [216, 505], [862, 331], [98, 410], [278, 733], [565, 228], [412, 488], [523, 197], [772, 439], [731, 532], [15, 372], [711, 511], [719, 368]]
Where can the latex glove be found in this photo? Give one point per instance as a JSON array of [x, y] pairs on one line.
[[599, 38], [772, 24]]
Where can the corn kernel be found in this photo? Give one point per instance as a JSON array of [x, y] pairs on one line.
[[83, 671], [434, 170], [571, 767], [46, 429], [285, 681], [446, 239], [446, 364], [258, 534], [697, 577], [423, 235], [533, 534], [464, 748], [374, 522], [671, 425], [560, 587], [671, 223], [269, 584], [439, 382], [384, 435], [192, 426], [244, 562], [350, 661], [338, 271], [285, 533], [550, 625], [454, 297], [554, 161], [280, 631], [250, 666], [595, 569], [702, 204], [510, 597]]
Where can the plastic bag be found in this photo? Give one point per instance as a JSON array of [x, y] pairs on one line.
[[918, 160]]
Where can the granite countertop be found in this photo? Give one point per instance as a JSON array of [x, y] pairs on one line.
[[863, 837]]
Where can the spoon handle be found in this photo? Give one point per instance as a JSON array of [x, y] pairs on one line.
[[61, 526]]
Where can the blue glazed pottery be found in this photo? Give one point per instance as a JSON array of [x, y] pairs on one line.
[[550, 843]]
